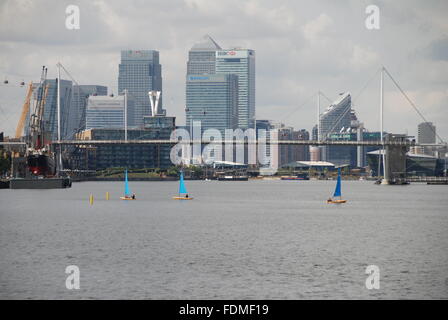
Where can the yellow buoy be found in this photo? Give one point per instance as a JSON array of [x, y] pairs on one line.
[[91, 199], [107, 195]]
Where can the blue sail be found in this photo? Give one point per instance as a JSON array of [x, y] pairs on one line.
[[127, 191], [337, 191], [182, 188]]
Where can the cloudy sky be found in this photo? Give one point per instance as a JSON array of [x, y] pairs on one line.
[[301, 47]]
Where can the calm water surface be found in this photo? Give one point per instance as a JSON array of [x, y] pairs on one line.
[[235, 240]]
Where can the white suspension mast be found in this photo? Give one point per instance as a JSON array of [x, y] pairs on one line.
[[381, 104], [385, 175]]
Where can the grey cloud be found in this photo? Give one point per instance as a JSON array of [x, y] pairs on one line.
[[438, 49]]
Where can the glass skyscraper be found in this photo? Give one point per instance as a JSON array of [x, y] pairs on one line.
[[213, 100], [202, 56], [336, 117], [207, 57], [333, 120], [241, 62], [139, 73], [50, 115]]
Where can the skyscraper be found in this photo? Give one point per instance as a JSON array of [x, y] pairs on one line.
[[80, 94], [207, 57], [240, 62], [426, 132], [213, 100], [139, 73], [202, 56], [50, 115], [336, 117]]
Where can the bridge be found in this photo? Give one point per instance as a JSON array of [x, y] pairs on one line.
[[274, 142], [378, 143]]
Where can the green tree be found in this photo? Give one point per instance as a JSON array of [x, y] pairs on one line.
[[172, 172], [195, 171]]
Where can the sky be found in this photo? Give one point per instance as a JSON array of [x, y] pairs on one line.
[[302, 47]]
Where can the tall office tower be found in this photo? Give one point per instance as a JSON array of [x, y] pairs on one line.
[[80, 94], [336, 117], [213, 100], [240, 62], [109, 112], [139, 73], [50, 115], [202, 56], [426, 132]]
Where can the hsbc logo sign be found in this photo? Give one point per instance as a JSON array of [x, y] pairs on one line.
[[232, 54], [226, 53]]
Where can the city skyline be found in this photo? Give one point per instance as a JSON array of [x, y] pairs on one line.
[[291, 65]]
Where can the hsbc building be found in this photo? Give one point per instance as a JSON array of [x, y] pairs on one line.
[[240, 62]]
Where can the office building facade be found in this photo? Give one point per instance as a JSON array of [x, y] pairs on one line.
[[240, 62], [50, 115], [426, 132], [213, 100], [348, 155], [109, 112], [202, 57], [127, 155], [140, 72], [80, 94], [336, 117]]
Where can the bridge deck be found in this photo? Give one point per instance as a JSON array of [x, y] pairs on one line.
[[279, 142]]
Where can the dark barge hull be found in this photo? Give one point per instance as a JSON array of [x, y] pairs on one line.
[[4, 184], [46, 183]]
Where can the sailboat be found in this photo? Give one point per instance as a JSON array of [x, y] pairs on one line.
[[337, 191], [127, 191], [183, 195]]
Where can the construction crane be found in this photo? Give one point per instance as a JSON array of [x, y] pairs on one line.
[[25, 111], [40, 159], [36, 123]]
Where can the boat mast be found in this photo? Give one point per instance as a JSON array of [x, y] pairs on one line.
[[59, 116]]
